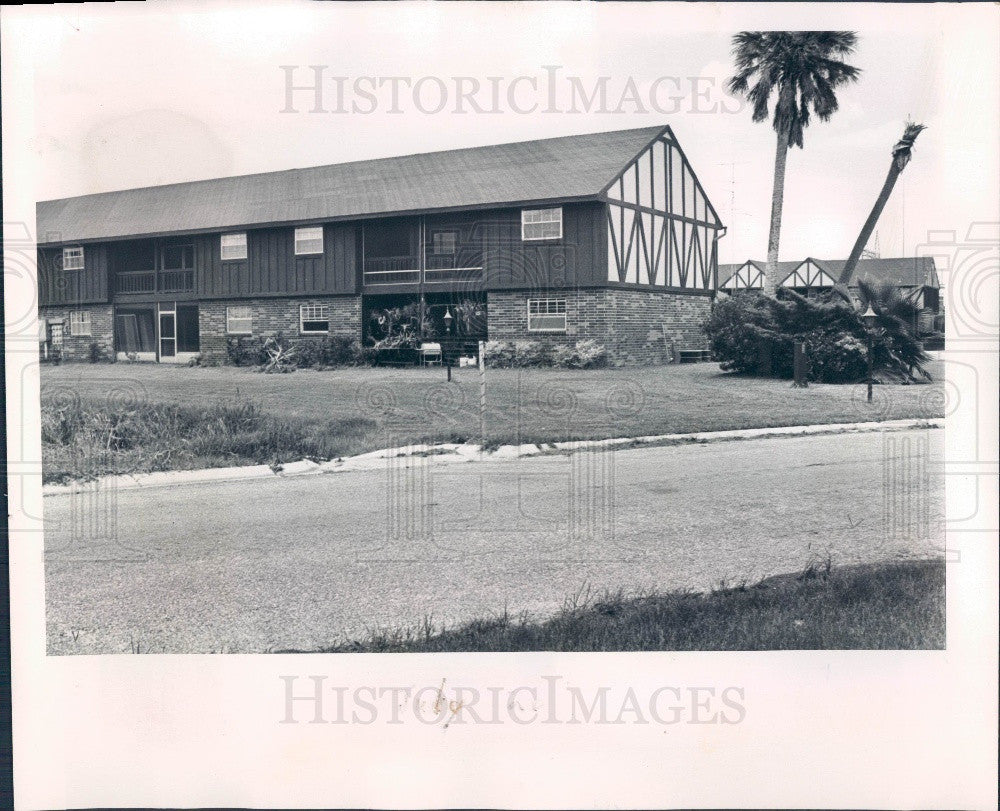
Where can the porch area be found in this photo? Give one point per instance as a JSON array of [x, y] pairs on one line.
[[409, 329], [409, 252], [164, 332], [153, 268]]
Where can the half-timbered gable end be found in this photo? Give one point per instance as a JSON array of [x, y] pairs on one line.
[[748, 276], [662, 228], [810, 275]]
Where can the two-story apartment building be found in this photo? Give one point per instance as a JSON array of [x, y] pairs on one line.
[[608, 236]]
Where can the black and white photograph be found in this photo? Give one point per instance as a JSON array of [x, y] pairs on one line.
[[602, 393]]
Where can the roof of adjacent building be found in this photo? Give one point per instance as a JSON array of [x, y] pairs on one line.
[[567, 168], [726, 272], [910, 271]]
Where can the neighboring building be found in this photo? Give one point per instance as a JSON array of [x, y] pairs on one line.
[[916, 277], [608, 236]]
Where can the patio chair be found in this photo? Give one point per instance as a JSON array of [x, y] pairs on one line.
[[430, 354]]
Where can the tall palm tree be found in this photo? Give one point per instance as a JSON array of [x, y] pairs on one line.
[[901, 154], [802, 69]]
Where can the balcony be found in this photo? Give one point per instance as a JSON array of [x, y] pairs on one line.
[[390, 270], [139, 282]]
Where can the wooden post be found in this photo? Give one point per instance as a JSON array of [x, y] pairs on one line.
[[482, 392], [799, 366]]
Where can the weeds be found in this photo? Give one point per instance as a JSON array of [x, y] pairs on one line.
[[889, 606], [81, 440]]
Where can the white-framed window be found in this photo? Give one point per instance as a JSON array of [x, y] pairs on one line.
[[314, 318], [541, 223], [233, 246], [239, 320], [309, 240], [79, 323], [73, 258], [546, 315], [444, 243]]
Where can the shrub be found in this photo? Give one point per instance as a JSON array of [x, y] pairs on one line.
[[754, 333], [246, 351], [98, 352], [499, 354], [585, 354], [529, 354]]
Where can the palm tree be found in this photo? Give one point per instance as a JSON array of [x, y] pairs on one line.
[[803, 69], [901, 154], [898, 352]]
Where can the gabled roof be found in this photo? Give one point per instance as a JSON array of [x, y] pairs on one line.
[[566, 168], [726, 272], [913, 271]]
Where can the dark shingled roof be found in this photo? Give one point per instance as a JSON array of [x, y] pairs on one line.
[[911, 271], [571, 167]]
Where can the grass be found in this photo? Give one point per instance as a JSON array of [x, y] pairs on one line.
[[181, 416], [887, 606], [82, 439]]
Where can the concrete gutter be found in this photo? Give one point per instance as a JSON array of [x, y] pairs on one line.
[[452, 453]]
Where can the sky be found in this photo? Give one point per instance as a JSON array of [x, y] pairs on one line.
[[139, 95]]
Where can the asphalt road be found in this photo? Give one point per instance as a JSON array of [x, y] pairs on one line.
[[302, 562]]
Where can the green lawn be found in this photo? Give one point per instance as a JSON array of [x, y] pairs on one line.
[[888, 606], [338, 413]]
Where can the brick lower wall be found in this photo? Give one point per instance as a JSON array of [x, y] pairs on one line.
[[629, 323], [77, 347], [271, 316], [639, 320]]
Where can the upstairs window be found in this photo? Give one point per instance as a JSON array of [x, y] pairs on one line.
[[79, 323], [72, 258], [178, 257], [546, 315], [541, 223], [444, 243], [308, 240], [233, 246], [239, 320], [314, 319]]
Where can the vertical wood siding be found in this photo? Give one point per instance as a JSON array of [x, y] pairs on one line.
[[575, 260], [272, 268], [87, 286]]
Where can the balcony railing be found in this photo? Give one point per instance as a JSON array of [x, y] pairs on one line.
[[381, 270], [176, 281], [453, 274], [136, 281], [149, 281]]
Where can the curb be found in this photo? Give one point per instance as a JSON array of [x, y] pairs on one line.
[[452, 453]]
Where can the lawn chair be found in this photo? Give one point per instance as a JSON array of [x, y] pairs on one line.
[[430, 354]]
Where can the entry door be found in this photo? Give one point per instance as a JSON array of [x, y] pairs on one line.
[[168, 334]]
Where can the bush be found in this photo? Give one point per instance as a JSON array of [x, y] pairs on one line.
[[585, 354], [754, 333], [98, 352], [246, 351], [335, 350], [499, 354]]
